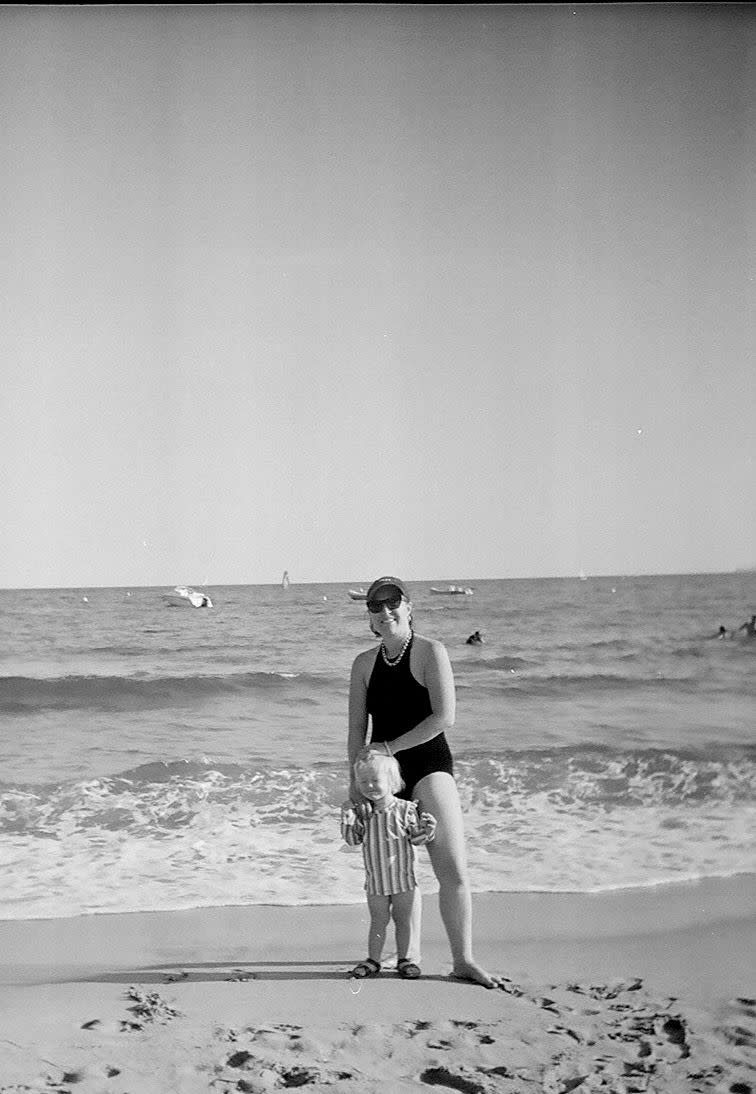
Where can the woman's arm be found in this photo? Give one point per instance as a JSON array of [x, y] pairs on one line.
[[358, 718], [435, 673]]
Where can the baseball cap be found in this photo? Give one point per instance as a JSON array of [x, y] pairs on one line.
[[387, 583]]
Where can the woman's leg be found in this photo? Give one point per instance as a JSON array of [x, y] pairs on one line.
[[406, 910], [438, 795]]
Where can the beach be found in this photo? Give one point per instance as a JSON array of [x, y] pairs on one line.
[[179, 914], [635, 990]]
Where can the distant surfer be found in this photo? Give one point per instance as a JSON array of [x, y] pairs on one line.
[[475, 639], [721, 633], [749, 627]]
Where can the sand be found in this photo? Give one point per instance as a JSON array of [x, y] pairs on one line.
[[639, 990]]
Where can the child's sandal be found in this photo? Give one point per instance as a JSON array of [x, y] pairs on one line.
[[407, 969], [366, 968]]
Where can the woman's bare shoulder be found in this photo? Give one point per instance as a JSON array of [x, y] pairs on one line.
[[363, 662], [427, 643], [429, 649]]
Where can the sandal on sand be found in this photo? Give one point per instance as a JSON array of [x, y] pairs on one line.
[[366, 968], [407, 969]]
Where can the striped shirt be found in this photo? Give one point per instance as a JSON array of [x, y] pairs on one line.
[[388, 837]]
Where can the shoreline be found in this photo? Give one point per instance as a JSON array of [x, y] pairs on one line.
[[511, 931], [517, 894], [744, 882]]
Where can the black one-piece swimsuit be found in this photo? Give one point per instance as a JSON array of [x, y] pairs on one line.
[[396, 703]]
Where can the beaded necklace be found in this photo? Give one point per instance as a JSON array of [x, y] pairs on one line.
[[392, 662]]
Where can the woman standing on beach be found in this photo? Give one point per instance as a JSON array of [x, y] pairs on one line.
[[406, 688]]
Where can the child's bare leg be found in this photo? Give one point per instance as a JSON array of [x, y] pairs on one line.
[[380, 913], [406, 909]]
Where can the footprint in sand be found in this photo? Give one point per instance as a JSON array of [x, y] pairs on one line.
[[674, 1029], [441, 1076], [146, 1007], [739, 1025], [265, 1075]]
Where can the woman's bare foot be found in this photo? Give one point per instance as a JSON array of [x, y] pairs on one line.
[[473, 973]]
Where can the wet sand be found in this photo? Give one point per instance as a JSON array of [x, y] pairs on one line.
[[637, 990]]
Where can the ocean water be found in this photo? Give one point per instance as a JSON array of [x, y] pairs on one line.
[[161, 758]]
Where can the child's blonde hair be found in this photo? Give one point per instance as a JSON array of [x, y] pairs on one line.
[[387, 765]]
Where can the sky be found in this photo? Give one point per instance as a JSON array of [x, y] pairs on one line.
[[450, 292]]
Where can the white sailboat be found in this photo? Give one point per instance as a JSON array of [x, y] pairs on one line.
[[184, 596], [285, 580]]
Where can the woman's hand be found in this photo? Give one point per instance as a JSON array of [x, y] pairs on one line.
[[377, 748]]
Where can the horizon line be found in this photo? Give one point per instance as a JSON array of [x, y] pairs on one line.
[[410, 580]]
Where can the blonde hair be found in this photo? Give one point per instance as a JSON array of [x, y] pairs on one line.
[[387, 765]]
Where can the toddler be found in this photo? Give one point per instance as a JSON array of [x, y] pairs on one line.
[[389, 829]]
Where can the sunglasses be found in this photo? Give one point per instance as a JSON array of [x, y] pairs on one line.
[[391, 602]]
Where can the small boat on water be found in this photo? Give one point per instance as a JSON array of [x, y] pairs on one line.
[[285, 582], [183, 596], [357, 594], [453, 590]]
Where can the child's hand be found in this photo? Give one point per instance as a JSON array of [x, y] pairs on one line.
[[428, 825], [363, 809], [352, 811], [352, 826]]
